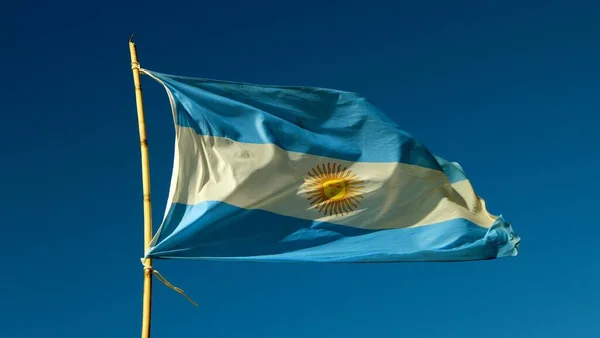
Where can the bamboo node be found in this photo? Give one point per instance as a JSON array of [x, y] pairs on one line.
[[135, 65]]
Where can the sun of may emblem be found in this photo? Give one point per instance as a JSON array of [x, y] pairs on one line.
[[333, 190]]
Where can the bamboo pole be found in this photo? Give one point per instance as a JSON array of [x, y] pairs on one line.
[[148, 271]]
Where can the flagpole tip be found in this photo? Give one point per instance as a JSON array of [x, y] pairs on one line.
[[131, 38]]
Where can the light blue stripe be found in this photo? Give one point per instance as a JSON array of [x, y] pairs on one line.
[[219, 231], [321, 122]]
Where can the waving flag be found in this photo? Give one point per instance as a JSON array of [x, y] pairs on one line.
[[271, 173]]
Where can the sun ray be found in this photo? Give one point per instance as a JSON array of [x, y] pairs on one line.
[[346, 207], [351, 203]]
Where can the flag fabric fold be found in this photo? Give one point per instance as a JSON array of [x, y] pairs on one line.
[[274, 173]]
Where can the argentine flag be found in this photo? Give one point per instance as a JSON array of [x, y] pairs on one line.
[[272, 173]]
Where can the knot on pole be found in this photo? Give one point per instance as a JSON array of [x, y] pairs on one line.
[[162, 279]]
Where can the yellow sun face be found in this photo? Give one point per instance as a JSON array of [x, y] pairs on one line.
[[333, 190]]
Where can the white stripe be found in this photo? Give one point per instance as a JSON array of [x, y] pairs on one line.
[[266, 177]]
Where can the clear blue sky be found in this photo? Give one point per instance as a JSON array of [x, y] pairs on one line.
[[509, 89]]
